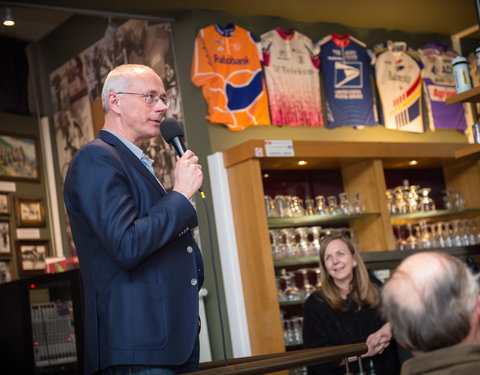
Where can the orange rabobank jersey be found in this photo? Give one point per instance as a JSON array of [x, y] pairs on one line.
[[226, 63]]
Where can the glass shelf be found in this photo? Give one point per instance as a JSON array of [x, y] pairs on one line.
[[300, 221], [292, 303], [296, 261], [432, 214]]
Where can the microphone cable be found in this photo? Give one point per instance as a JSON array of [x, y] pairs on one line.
[[215, 275]]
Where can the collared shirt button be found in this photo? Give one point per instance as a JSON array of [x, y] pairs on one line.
[[193, 281], [189, 249]]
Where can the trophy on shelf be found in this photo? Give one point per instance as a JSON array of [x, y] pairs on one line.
[[426, 203]]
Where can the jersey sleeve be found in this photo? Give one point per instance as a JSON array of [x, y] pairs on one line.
[[202, 67], [266, 43]]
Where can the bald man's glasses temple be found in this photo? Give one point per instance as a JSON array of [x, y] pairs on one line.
[[150, 98]]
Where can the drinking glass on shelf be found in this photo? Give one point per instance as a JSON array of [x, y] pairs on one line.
[[424, 240], [309, 206], [447, 233], [400, 201], [390, 197], [470, 231], [411, 240], [456, 237], [301, 239], [282, 206], [332, 203], [297, 329], [476, 230], [412, 199], [314, 234], [345, 206], [270, 206], [306, 288], [290, 332], [281, 296], [464, 233], [448, 200], [321, 207], [279, 250], [400, 243], [358, 207], [296, 206], [291, 248], [318, 282], [433, 235], [426, 203], [291, 290], [438, 230], [458, 202]]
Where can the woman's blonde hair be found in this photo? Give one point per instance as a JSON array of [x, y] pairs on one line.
[[363, 292]]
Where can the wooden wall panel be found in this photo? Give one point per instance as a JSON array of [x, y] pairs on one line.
[[255, 257], [367, 178], [463, 177]]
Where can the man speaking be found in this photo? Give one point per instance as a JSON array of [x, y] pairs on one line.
[[140, 265]]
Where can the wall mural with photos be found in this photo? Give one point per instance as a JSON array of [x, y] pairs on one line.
[[77, 84], [76, 87]]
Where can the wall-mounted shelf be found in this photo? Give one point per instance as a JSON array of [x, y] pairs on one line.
[[292, 303], [435, 214], [285, 262], [471, 151], [301, 221], [472, 96]]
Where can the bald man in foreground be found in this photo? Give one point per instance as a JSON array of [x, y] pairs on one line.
[[432, 302]]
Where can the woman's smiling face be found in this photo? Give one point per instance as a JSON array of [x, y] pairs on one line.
[[339, 261]]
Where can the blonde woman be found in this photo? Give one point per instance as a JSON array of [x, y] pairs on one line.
[[346, 311]]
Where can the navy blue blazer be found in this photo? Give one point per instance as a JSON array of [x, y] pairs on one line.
[[140, 266]]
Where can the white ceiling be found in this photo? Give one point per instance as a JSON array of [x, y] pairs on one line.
[[416, 16]]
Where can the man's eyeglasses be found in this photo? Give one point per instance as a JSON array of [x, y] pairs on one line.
[[150, 97]]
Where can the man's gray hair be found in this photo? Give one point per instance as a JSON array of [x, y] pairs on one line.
[[119, 79], [433, 309]]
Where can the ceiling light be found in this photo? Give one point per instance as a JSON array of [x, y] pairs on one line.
[[412, 162], [8, 17], [266, 175], [302, 162]]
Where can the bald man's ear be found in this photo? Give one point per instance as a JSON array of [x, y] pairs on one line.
[[477, 307], [113, 102]]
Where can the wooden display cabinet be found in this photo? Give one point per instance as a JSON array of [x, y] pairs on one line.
[[362, 166]]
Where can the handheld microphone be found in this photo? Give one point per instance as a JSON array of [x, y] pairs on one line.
[[172, 133]]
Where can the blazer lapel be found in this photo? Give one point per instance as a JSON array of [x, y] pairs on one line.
[[132, 159]]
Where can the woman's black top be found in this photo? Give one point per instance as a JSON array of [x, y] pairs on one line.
[[324, 326]]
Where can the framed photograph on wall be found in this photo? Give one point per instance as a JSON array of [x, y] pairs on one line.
[[30, 212], [4, 204], [5, 275], [5, 242], [31, 256], [19, 157]]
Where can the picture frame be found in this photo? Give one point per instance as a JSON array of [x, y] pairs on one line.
[[30, 212], [31, 256], [5, 272], [5, 238], [4, 204], [19, 157]]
